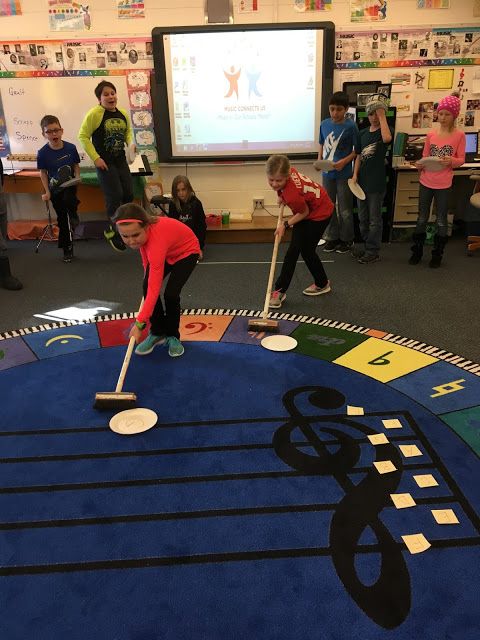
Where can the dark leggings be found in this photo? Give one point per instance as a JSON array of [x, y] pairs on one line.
[[166, 322], [305, 238]]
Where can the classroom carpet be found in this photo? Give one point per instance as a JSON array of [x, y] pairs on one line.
[[327, 492]]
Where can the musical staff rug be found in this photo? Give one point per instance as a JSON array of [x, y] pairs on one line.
[[329, 492]]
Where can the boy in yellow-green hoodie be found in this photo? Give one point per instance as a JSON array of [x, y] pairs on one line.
[[104, 132]]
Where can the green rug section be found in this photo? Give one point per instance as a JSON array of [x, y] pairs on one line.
[[324, 342], [466, 424], [89, 176]]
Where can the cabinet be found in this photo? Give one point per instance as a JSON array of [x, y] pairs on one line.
[[406, 197]]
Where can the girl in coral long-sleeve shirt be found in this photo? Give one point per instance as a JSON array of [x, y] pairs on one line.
[[167, 247], [447, 144]]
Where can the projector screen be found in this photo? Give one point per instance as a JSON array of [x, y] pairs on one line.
[[241, 92]]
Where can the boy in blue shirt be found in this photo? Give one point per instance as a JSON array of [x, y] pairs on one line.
[[58, 162], [340, 143]]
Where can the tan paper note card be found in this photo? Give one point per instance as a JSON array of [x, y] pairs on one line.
[[392, 424], [384, 466], [410, 450], [425, 480], [378, 438], [445, 516], [402, 500], [416, 543]]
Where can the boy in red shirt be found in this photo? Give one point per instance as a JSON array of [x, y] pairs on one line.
[[312, 210]]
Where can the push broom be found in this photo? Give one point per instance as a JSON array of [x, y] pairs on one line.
[[264, 323], [119, 399]]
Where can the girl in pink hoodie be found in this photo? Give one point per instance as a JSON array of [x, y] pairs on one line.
[[448, 145]]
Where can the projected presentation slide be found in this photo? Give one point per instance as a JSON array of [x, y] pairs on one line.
[[244, 92]]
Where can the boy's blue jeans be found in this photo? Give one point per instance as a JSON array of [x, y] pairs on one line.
[[341, 222], [116, 184], [371, 222], [425, 197]]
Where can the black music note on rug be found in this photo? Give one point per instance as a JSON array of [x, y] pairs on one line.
[[387, 601]]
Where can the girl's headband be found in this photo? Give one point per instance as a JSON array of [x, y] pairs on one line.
[[129, 220]]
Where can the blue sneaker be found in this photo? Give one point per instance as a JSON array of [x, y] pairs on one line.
[[175, 347], [148, 345]]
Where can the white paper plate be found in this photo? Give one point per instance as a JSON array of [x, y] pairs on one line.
[[130, 153], [475, 200], [70, 183], [356, 189], [133, 421], [432, 163], [323, 165], [279, 343]]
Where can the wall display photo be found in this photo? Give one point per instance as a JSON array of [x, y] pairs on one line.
[[312, 5], [68, 16], [433, 4], [10, 8], [128, 10], [368, 10]]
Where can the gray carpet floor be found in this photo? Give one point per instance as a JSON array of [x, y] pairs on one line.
[[438, 306]]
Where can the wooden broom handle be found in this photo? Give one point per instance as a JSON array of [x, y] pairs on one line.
[[126, 360], [273, 263]]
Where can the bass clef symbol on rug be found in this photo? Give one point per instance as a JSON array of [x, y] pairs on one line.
[[387, 600]]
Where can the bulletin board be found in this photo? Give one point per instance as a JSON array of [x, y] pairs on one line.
[[422, 67]]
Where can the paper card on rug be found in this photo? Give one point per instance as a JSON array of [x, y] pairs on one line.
[[402, 500], [392, 424], [355, 411], [425, 480], [378, 438], [416, 543], [410, 450], [384, 466], [445, 516]]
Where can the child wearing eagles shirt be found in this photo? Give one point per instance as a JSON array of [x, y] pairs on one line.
[[312, 210]]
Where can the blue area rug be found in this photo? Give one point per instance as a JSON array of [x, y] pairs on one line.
[[252, 510]]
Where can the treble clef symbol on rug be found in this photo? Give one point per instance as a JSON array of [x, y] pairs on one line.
[[387, 601]]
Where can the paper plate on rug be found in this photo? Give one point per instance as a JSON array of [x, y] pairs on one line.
[[130, 153], [132, 421], [279, 343], [431, 163], [70, 183], [356, 189], [475, 200], [323, 165]]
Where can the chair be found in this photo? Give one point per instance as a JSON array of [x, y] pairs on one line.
[[473, 225]]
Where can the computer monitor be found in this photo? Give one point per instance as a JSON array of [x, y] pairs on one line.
[[471, 143]]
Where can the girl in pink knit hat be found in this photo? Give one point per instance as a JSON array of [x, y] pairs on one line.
[[444, 151]]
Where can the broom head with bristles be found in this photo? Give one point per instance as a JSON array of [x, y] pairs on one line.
[[263, 324], [115, 400]]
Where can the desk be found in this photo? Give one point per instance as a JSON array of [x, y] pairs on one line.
[[406, 192]]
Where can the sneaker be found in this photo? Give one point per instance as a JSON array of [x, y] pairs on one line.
[[175, 347], [368, 259], [358, 253], [148, 345], [68, 254], [330, 245], [276, 299], [114, 239], [343, 247], [313, 290]]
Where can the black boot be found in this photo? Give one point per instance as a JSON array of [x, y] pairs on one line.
[[439, 243], [417, 247], [6, 279]]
